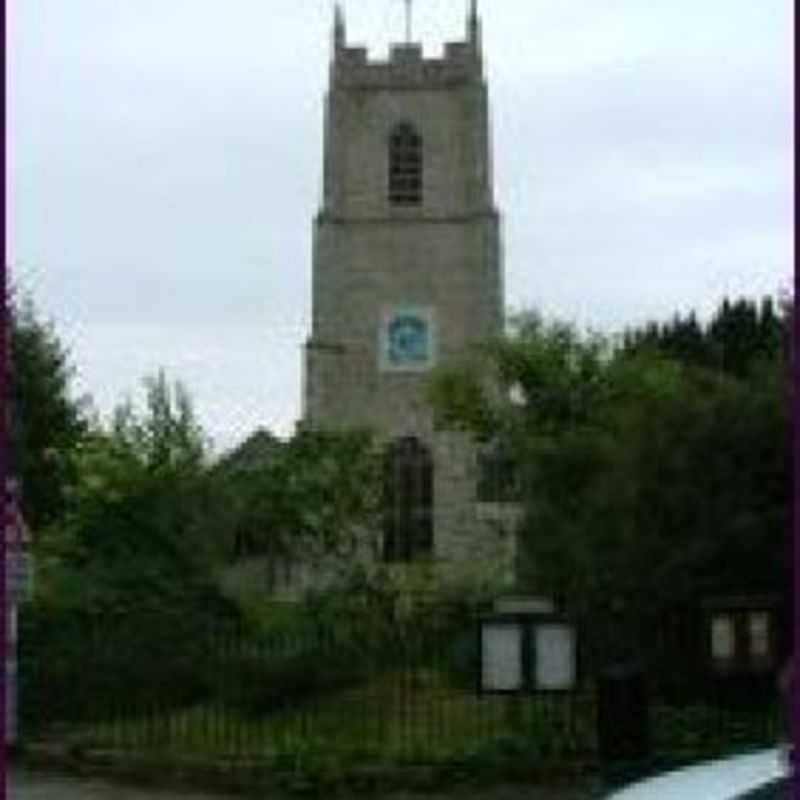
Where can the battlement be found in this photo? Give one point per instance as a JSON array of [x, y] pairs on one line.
[[406, 65]]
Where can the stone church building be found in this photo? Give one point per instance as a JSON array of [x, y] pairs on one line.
[[407, 273]]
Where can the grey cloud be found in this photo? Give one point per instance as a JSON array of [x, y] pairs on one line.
[[165, 162]]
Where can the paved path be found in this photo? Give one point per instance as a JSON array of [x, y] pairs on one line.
[[25, 785]]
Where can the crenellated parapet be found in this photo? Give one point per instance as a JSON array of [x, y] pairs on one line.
[[406, 66], [461, 62]]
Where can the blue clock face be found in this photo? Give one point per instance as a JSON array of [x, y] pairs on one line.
[[408, 340]]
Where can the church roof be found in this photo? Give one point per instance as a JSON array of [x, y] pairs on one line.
[[258, 449]]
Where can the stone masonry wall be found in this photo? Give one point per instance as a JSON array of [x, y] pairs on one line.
[[370, 256]]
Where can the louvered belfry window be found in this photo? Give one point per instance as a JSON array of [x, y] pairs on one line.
[[405, 166], [408, 501]]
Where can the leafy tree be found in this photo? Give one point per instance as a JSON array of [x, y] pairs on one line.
[[46, 421], [641, 476], [127, 605], [740, 334], [132, 534], [167, 438], [310, 498]]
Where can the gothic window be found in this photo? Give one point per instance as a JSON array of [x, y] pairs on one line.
[[405, 166], [408, 501]]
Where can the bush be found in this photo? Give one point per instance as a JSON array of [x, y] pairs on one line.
[[79, 666], [260, 677]]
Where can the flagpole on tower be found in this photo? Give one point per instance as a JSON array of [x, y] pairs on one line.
[[408, 21]]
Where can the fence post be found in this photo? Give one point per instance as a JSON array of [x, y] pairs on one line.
[[622, 725]]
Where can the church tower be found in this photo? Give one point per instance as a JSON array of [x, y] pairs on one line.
[[406, 274]]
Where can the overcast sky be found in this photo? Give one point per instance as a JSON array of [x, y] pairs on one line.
[[165, 164]]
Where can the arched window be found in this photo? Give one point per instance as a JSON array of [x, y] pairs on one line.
[[405, 166], [407, 501]]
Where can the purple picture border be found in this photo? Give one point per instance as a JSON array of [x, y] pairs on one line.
[[794, 524], [4, 444], [794, 452]]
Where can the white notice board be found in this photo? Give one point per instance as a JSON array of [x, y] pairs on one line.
[[501, 657], [555, 656]]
